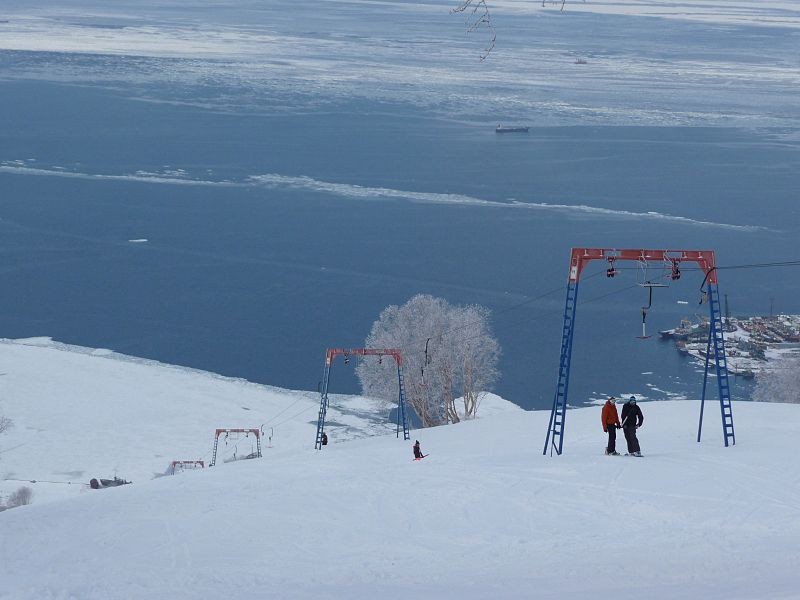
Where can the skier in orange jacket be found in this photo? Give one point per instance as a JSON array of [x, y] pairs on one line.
[[610, 419]]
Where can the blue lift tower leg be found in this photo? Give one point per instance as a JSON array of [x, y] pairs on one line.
[[558, 414], [323, 403], [401, 405], [705, 385], [717, 341]]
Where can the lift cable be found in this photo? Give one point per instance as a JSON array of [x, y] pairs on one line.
[[45, 481], [307, 408], [787, 263], [494, 313], [561, 289]]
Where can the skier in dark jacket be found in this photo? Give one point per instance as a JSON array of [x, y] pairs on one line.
[[418, 455], [632, 419]]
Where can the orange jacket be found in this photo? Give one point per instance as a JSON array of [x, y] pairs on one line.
[[610, 415]]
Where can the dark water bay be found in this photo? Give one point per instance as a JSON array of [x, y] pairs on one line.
[[255, 281]]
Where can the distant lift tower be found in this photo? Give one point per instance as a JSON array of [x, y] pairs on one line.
[[672, 260], [347, 353]]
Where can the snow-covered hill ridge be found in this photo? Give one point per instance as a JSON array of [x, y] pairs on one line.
[[81, 413]]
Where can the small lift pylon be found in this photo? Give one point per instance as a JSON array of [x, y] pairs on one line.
[[236, 432], [332, 353]]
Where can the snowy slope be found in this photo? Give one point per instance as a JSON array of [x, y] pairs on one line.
[[485, 515], [81, 413]]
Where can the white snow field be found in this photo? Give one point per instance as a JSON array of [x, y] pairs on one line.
[[81, 413], [486, 515]]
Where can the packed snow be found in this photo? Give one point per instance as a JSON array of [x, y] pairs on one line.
[[484, 515], [82, 413]]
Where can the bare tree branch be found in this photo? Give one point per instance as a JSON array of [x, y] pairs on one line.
[[477, 16], [21, 497], [476, 13]]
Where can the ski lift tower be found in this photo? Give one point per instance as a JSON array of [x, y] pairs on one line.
[[671, 259], [347, 353], [236, 433]]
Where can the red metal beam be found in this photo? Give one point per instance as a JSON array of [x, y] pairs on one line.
[[579, 257], [176, 463], [394, 353], [257, 432]]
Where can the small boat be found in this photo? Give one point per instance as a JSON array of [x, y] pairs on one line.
[[511, 129], [580, 61]]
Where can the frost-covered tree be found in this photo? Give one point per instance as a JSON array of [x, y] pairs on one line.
[[5, 423], [781, 384], [22, 497], [449, 352]]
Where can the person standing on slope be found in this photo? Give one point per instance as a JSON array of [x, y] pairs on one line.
[[632, 419], [610, 419], [418, 455]]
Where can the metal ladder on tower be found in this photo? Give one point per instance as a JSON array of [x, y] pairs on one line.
[[258, 445], [717, 339], [214, 455], [323, 406], [401, 406], [555, 431]]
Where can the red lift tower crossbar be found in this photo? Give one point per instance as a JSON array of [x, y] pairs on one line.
[[579, 257]]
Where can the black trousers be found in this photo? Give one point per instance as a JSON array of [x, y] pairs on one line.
[[612, 438], [630, 438]]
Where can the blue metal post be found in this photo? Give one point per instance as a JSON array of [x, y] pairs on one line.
[[555, 430], [401, 405], [705, 380], [323, 402]]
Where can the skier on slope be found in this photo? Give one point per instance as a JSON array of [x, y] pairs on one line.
[[632, 419], [418, 455], [610, 420]]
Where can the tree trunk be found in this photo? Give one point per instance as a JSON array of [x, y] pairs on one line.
[[451, 414], [470, 396]]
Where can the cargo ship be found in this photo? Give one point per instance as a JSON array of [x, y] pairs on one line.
[[511, 129]]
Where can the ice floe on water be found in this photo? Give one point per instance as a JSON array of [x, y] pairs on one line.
[[307, 54], [354, 191]]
